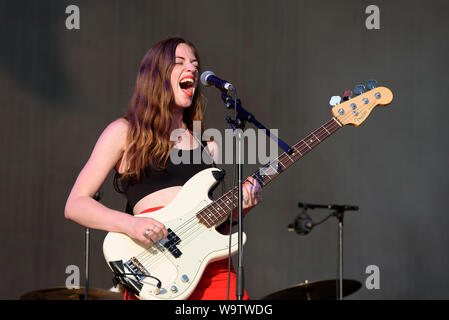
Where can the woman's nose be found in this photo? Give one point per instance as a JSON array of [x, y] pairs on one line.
[[191, 67]]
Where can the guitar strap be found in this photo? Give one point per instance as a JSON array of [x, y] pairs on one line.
[[205, 148]]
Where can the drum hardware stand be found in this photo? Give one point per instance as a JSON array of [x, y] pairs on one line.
[[86, 258], [339, 214], [303, 225], [308, 292], [241, 117], [96, 197]]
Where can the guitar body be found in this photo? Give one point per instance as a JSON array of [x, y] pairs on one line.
[[198, 245]]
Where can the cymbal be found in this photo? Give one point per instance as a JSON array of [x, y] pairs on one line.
[[318, 290], [62, 293]]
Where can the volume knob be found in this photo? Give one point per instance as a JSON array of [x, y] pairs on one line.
[[184, 278]]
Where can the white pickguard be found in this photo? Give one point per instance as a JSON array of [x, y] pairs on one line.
[[199, 245]]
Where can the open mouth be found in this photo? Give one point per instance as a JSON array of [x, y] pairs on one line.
[[187, 85]]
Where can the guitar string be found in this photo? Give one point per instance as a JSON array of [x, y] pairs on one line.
[[188, 224], [207, 207], [192, 232], [149, 264], [332, 125], [301, 150], [192, 229], [284, 155], [323, 127]]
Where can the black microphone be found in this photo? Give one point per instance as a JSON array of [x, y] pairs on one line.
[[209, 78], [302, 224], [328, 206]]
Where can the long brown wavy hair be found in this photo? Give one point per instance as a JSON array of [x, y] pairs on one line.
[[149, 114]]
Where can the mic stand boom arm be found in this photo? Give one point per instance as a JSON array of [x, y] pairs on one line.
[[246, 116]]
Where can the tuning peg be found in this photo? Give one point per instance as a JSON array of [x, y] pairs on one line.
[[347, 95], [359, 89], [371, 84], [335, 100]]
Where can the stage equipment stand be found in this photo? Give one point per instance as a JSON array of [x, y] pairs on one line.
[[238, 125], [96, 197]]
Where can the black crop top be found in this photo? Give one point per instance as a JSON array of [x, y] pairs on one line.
[[154, 179]]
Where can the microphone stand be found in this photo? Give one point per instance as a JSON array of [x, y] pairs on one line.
[[239, 122], [96, 197]]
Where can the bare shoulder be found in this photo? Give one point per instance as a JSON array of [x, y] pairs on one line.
[[119, 126], [104, 157], [116, 132]]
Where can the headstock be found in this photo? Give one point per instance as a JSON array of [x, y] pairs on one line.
[[354, 111]]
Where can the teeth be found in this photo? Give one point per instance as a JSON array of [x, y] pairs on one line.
[[186, 80]]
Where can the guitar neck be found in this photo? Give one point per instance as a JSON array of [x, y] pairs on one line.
[[217, 211], [267, 173]]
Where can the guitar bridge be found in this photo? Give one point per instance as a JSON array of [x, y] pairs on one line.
[[118, 268], [137, 269]]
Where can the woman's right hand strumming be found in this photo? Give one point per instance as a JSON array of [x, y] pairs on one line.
[[146, 230]]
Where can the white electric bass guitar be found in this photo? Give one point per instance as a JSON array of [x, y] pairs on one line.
[[171, 268]]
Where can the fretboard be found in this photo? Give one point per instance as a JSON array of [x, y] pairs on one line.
[[220, 209]]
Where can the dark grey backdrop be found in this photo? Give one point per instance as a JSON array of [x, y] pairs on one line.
[[60, 88]]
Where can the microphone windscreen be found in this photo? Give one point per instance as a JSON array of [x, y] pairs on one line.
[[204, 77]]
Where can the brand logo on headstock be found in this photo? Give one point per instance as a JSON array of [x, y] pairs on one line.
[[361, 117]]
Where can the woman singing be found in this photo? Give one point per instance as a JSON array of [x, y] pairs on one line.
[[138, 146]]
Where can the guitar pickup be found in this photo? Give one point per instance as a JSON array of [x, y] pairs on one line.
[[170, 243]]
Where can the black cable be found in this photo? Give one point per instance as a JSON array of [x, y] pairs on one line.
[[320, 222], [121, 274]]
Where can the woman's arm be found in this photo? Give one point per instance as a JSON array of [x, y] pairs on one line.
[[83, 209], [80, 206]]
